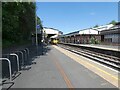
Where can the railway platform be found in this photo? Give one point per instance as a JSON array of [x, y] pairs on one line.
[[98, 46], [59, 68], [108, 47]]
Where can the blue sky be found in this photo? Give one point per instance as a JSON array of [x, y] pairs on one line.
[[72, 16]]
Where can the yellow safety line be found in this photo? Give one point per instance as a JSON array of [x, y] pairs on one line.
[[99, 69], [103, 71], [66, 79], [78, 60]]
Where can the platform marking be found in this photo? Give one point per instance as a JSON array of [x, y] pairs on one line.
[[66, 79], [110, 78]]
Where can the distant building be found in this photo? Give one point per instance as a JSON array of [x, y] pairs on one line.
[[84, 36], [81, 36], [111, 35], [89, 31], [103, 27], [96, 30], [50, 33]]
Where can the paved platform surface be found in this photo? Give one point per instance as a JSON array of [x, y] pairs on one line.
[[106, 47], [54, 69], [109, 47]]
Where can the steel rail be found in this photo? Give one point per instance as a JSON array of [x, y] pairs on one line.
[[112, 62]]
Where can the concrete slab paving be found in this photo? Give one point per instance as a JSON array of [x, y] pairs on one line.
[[46, 74], [80, 76], [42, 75]]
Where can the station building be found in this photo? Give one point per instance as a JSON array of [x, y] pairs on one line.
[[84, 36], [80, 37], [45, 34], [111, 35], [50, 33]]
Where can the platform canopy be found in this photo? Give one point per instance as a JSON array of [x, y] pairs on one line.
[[55, 36], [52, 32]]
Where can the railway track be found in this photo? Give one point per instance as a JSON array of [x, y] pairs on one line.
[[110, 61]]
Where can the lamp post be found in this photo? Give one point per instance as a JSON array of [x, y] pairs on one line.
[[36, 33], [36, 38]]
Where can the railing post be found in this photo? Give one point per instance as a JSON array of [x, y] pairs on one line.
[[25, 54], [28, 52], [9, 64], [22, 56], [13, 54]]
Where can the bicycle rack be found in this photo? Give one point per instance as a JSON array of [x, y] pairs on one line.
[[9, 64], [22, 56], [27, 51], [13, 54], [24, 53]]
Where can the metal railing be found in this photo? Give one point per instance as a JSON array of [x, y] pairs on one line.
[[10, 69], [14, 64], [22, 57]]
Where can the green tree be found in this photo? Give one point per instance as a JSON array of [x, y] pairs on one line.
[[94, 41], [113, 22], [95, 26], [18, 21]]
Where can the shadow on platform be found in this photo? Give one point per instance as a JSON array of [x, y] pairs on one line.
[[36, 52]]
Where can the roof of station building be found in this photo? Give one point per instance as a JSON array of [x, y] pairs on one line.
[[113, 30], [49, 30]]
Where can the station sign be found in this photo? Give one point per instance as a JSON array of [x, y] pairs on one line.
[[38, 26]]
